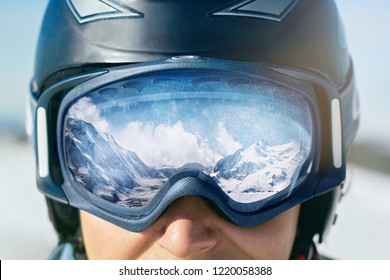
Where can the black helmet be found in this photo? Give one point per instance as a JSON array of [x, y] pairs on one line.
[[83, 36]]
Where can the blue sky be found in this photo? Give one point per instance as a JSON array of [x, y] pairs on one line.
[[19, 27]]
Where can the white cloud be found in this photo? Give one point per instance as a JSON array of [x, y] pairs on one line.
[[85, 110], [166, 145], [226, 143]]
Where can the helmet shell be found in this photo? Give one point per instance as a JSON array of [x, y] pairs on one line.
[[299, 33]]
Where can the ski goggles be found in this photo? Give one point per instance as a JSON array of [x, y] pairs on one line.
[[252, 139]]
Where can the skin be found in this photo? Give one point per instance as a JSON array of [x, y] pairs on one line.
[[190, 229]]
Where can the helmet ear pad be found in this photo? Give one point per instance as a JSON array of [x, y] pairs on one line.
[[65, 219], [316, 216]]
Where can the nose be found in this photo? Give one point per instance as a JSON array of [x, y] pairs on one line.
[[188, 230]]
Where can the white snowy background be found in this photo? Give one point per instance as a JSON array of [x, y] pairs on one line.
[[363, 227]]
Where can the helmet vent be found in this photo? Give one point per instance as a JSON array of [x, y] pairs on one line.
[[95, 10]]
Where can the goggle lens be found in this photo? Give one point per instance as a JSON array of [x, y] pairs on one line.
[[124, 141]]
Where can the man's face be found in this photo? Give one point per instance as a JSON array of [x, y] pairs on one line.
[[190, 229]]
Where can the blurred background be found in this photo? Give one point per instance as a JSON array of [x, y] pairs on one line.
[[362, 230]]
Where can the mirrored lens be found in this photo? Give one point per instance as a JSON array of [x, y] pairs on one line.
[[124, 141]]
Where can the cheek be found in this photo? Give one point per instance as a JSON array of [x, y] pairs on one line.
[[104, 240], [273, 239]]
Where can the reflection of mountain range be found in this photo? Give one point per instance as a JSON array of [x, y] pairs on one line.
[[106, 169], [258, 171]]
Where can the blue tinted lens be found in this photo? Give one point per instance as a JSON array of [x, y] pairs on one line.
[[124, 141]]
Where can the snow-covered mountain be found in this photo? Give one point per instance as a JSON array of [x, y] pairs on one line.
[[258, 171], [106, 169]]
